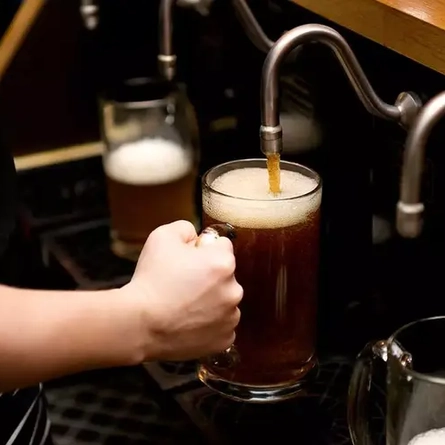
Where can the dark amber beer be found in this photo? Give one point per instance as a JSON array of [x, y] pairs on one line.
[[277, 255]]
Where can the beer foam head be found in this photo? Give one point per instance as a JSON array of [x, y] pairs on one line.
[[150, 161], [432, 437], [250, 203]]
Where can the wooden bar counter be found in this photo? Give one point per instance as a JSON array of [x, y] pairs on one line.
[[414, 28]]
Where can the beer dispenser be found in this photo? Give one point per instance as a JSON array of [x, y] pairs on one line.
[[276, 236], [337, 285]]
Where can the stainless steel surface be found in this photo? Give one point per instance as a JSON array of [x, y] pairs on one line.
[[166, 57], [403, 111], [410, 208], [253, 29], [89, 10]]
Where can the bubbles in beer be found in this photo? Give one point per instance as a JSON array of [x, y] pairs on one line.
[[250, 204], [150, 161], [432, 437]]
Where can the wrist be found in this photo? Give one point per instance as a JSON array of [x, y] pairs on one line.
[[129, 312], [150, 322], [146, 343]]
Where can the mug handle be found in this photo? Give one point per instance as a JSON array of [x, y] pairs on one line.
[[359, 389], [215, 231], [210, 234]]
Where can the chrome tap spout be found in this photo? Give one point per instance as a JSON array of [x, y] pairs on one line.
[[403, 111]]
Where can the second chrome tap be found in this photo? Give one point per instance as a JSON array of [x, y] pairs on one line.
[[410, 208]]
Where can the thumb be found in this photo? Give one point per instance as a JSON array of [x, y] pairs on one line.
[[184, 230]]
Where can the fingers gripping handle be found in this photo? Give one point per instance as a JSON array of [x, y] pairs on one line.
[[209, 235]]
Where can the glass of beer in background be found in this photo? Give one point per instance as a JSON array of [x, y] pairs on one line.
[[149, 162], [277, 254]]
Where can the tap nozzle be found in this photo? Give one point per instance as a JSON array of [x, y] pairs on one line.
[[167, 66], [271, 140], [166, 57], [409, 219], [410, 208]]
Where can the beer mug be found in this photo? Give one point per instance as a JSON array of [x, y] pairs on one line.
[[276, 246], [150, 161], [415, 385]]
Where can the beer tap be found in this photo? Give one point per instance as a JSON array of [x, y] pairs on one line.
[[403, 112], [166, 56], [409, 219]]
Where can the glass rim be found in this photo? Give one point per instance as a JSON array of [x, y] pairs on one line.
[[176, 89], [415, 374], [317, 177], [137, 105]]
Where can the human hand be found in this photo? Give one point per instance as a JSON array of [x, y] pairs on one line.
[[189, 295]]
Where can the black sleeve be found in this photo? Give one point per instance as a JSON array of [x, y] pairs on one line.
[[8, 197]]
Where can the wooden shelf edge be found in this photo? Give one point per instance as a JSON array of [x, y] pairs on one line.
[[58, 156], [415, 33]]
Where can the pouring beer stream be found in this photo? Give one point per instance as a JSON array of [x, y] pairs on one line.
[[273, 170]]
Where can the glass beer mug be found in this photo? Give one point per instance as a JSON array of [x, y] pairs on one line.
[[150, 160], [276, 245], [415, 386]]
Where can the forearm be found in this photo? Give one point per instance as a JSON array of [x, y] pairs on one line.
[[47, 334]]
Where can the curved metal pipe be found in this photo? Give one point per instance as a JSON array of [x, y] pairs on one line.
[[403, 111], [410, 208], [253, 29]]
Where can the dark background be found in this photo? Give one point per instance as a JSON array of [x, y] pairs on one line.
[[48, 99]]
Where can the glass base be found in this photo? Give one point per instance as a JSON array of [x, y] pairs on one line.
[[257, 394], [126, 250]]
